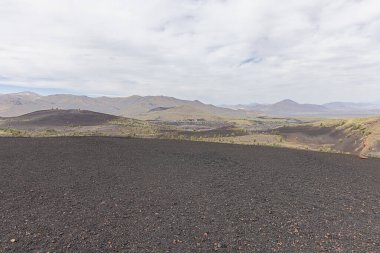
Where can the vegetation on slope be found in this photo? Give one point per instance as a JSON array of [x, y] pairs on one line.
[[355, 136]]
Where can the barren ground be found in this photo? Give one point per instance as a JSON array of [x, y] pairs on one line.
[[93, 194]]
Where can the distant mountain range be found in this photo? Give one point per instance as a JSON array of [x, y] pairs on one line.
[[291, 108], [169, 108], [149, 107]]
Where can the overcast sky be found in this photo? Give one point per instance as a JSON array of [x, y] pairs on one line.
[[217, 51]]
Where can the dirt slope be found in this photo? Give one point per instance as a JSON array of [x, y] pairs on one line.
[[355, 136], [323, 137]]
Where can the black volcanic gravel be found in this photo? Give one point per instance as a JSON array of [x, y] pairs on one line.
[[129, 195]]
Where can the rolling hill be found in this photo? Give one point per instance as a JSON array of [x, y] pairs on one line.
[[57, 122], [57, 118]]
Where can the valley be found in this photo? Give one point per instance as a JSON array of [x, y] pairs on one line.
[[359, 136]]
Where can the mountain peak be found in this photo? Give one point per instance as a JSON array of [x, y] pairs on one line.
[[287, 102]]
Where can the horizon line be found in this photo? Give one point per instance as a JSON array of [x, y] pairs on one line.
[[194, 100]]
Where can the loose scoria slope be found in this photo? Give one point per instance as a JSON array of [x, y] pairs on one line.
[[131, 195]]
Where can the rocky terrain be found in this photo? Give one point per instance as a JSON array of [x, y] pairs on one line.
[[92, 194]]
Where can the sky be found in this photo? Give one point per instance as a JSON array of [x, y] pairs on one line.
[[216, 51]]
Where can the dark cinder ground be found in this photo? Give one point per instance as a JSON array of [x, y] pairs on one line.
[[130, 195]]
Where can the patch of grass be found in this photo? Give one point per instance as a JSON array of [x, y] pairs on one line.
[[11, 132]]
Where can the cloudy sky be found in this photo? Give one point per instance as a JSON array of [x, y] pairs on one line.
[[217, 51]]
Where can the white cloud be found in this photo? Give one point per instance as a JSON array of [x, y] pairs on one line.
[[220, 51]]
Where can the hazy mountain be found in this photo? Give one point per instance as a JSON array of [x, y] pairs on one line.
[[134, 106], [18, 103], [352, 106], [183, 112], [239, 106], [286, 107], [291, 108], [169, 108], [196, 112]]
